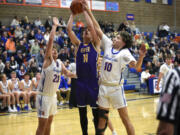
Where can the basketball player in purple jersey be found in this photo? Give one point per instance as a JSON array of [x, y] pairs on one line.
[[86, 70]]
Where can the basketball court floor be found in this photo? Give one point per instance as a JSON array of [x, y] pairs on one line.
[[142, 111]]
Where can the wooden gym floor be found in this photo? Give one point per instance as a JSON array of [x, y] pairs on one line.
[[142, 112]]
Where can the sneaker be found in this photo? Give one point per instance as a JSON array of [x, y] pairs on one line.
[[114, 133], [29, 107], [10, 110], [18, 108], [15, 110], [61, 103], [26, 108]]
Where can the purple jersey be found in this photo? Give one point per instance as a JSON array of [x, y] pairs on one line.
[[86, 62], [86, 69]]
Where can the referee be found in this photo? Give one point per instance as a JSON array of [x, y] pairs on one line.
[[169, 105]]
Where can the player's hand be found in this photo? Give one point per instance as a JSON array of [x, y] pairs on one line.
[[142, 51], [56, 21], [157, 87], [85, 5]]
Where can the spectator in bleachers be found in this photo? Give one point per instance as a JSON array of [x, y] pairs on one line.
[[4, 37], [10, 46], [35, 48], [27, 30], [7, 69], [31, 37], [25, 22], [150, 52], [15, 87], [48, 23], [124, 27], [79, 23], [20, 46], [2, 47], [11, 32], [65, 89], [39, 37], [13, 63], [145, 76], [40, 58], [46, 37], [133, 27], [27, 87], [19, 58], [37, 22], [2, 66], [21, 72], [5, 89], [15, 22], [177, 58], [63, 56], [18, 33], [4, 57]]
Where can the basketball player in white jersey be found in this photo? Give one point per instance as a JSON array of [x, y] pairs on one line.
[[27, 88], [35, 81], [49, 82], [15, 86], [5, 90], [163, 71], [111, 92]]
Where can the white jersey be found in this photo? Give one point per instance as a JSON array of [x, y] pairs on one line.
[[4, 86], [164, 69], [15, 84], [35, 80], [50, 79], [72, 67], [113, 62], [26, 84]]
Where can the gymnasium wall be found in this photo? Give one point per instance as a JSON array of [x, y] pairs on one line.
[[147, 16]]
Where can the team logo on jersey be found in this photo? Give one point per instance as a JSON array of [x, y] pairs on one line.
[[109, 58], [56, 70]]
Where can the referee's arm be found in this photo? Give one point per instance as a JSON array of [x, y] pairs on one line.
[[168, 104]]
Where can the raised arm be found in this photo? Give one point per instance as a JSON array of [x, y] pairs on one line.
[[95, 23], [71, 34], [92, 30], [48, 54], [67, 72]]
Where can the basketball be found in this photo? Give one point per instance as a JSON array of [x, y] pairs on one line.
[[76, 7]]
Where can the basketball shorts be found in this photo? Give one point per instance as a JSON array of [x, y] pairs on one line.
[[114, 96], [46, 106], [86, 93]]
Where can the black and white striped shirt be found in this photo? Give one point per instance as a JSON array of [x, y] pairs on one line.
[[169, 104]]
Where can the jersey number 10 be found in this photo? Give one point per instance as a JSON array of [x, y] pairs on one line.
[[108, 66]]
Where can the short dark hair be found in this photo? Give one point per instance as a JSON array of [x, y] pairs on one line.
[[127, 39]]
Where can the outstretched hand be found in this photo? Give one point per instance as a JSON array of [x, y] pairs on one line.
[[142, 50], [56, 21], [85, 5]]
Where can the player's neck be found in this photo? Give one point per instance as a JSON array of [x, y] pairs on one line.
[[86, 41]]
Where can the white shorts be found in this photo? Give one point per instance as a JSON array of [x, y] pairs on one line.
[[46, 106], [109, 95]]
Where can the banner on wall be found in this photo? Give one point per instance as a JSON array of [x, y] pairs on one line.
[[51, 3], [130, 17], [98, 5], [65, 3], [34, 2], [14, 1], [112, 6]]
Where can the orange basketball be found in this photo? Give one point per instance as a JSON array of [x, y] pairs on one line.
[[76, 7]]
